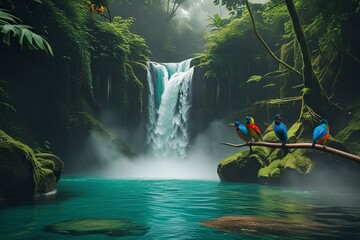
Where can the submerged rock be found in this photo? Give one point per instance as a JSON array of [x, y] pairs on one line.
[[110, 227], [266, 225], [24, 173]]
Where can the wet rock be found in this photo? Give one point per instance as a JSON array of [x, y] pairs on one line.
[[266, 225], [110, 227]]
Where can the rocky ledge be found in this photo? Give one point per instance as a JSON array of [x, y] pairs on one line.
[[24, 173]]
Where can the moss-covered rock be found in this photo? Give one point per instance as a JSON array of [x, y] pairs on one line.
[[243, 166], [296, 160], [24, 173], [297, 167], [110, 227]]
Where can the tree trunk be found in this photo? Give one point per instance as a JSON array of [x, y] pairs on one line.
[[314, 95]]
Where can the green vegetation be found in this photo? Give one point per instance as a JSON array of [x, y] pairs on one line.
[[25, 173], [312, 48], [59, 99]]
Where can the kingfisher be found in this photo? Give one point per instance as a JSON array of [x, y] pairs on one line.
[[321, 133], [242, 131], [253, 129], [280, 129]]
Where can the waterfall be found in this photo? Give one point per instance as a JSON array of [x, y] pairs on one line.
[[169, 105]]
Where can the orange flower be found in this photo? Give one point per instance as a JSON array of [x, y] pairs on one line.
[[100, 9]]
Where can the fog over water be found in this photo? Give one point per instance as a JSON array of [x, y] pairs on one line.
[[204, 155]]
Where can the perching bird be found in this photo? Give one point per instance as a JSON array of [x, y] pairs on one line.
[[242, 131], [280, 129], [253, 129], [321, 133]]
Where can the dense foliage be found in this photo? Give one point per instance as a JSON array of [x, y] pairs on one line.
[[92, 70], [331, 38]]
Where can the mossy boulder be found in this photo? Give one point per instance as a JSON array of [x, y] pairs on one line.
[[279, 167], [243, 166], [294, 162], [24, 173]]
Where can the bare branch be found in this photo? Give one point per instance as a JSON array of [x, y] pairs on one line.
[[299, 145]]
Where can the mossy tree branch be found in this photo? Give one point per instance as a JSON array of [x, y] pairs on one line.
[[272, 54], [299, 145]]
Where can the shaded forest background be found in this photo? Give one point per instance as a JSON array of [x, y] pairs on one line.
[[98, 67]]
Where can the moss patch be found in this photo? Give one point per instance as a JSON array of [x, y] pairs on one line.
[[243, 166], [296, 160], [351, 134], [110, 227], [24, 173]]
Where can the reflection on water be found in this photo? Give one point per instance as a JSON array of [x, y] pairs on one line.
[[175, 209]]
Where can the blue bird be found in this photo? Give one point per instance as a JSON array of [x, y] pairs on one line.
[[280, 129], [242, 131], [321, 133]]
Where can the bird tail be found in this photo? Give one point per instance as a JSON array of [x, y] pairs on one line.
[[261, 137]]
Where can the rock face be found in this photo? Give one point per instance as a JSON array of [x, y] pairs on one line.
[[24, 173]]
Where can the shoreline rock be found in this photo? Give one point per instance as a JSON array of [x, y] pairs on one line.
[[24, 173]]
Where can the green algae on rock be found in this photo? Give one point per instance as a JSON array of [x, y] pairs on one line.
[[276, 166], [110, 227], [24, 173]]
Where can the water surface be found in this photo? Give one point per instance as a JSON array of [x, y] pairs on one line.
[[174, 209]]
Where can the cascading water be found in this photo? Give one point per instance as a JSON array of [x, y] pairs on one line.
[[169, 104]]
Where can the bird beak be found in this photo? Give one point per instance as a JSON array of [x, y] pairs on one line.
[[231, 124]]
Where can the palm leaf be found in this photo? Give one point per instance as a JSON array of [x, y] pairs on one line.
[[3, 93], [7, 106], [25, 37], [6, 18]]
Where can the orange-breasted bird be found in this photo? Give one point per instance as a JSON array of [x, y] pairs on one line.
[[253, 129], [242, 131], [321, 133]]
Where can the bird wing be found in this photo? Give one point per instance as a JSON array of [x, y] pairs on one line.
[[281, 132], [256, 129], [244, 131], [319, 132]]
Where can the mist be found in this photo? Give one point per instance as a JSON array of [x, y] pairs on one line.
[[204, 154]]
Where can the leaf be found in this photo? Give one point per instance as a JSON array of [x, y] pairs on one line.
[[3, 94], [7, 106], [306, 91], [254, 78], [269, 85], [6, 18], [25, 37], [297, 86], [38, 1], [276, 74]]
